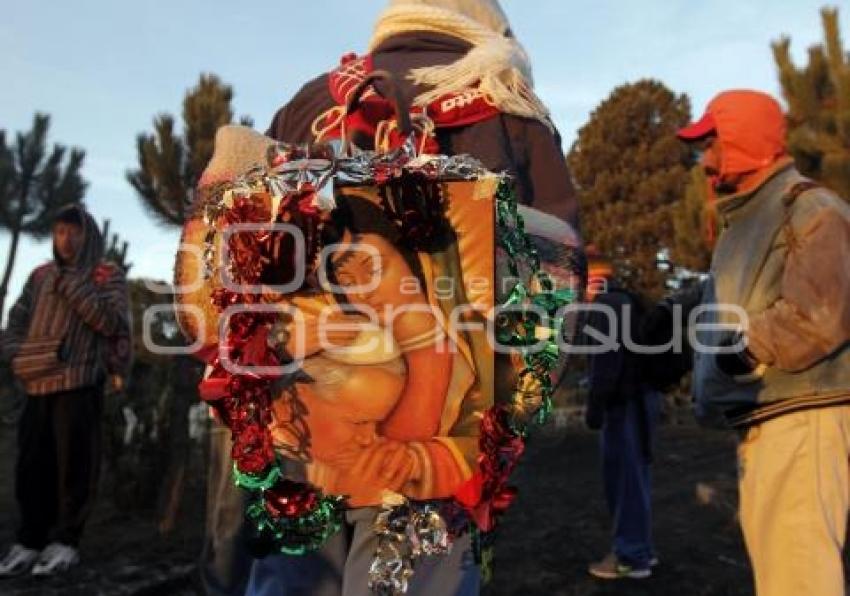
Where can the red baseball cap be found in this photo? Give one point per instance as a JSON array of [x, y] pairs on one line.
[[750, 128], [698, 130]]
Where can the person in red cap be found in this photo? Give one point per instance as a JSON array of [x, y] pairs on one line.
[[779, 369]]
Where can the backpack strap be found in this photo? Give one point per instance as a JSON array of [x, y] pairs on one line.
[[788, 199], [797, 189], [784, 229]]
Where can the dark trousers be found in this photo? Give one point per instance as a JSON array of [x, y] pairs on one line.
[[341, 568], [627, 437], [59, 448]]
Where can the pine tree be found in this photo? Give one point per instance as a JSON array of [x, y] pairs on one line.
[[111, 249], [149, 471], [34, 185], [818, 97], [170, 163], [694, 225], [630, 171]]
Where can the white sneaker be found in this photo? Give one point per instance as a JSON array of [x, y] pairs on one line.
[[612, 568], [56, 558], [17, 561]]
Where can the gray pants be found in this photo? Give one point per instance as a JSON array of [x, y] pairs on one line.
[[225, 563], [341, 568]]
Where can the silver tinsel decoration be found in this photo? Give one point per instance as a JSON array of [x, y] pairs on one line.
[[406, 531], [295, 168]]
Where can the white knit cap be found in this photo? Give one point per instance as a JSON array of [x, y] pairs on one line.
[[236, 150], [486, 12], [496, 65]]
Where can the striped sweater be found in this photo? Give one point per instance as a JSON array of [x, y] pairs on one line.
[[70, 326]]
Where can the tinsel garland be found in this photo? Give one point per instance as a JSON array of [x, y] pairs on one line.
[[504, 427], [290, 517], [295, 517]]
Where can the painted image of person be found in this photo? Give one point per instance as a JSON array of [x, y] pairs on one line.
[[380, 411]]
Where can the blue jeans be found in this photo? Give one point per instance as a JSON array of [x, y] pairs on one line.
[[627, 436]]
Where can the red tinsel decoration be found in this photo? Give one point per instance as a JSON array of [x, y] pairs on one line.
[[289, 499], [253, 450], [487, 494]]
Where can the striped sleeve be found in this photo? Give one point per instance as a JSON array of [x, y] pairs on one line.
[[103, 307], [119, 357], [19, 320]]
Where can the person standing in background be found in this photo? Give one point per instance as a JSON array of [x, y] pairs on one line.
[[779, 369], [625, 408], [68, 336]]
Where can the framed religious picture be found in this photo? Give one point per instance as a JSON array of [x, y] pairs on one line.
[[378, 330]]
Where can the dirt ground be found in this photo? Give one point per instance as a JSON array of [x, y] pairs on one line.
[[556, 527], [559, 523], [122, 554]]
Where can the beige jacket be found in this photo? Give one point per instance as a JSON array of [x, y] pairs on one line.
[[787, 264]]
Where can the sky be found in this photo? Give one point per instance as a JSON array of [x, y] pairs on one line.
[[103, 69]]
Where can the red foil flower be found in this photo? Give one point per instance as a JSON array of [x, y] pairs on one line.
[[252, 450], [487, 495], [484, 503], [290, 499], [306, 206], [255, 351]]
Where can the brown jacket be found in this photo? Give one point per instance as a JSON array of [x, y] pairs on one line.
[[524, 147], [786, 263]]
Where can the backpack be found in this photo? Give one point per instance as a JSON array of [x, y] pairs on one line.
[[374, 122]]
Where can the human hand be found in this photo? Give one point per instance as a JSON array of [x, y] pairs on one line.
[[387, 465], [737, 363]]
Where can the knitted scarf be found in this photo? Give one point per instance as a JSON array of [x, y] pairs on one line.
[[496, 65]]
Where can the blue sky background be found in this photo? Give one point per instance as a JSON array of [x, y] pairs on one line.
[[102, 69]]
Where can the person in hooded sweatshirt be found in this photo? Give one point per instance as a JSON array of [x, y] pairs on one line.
[[779, 370], [67, 338], [458, 60]]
